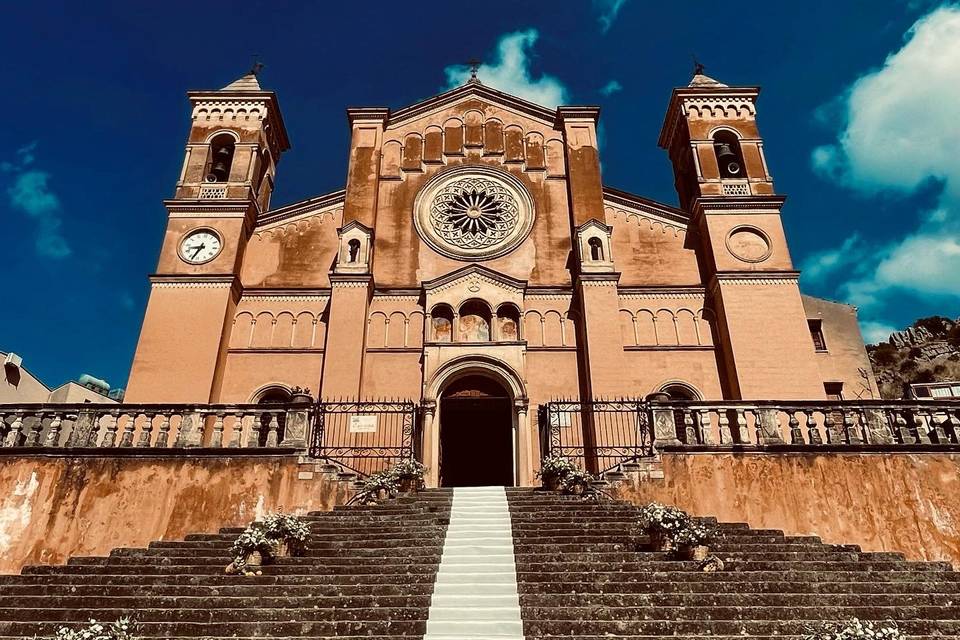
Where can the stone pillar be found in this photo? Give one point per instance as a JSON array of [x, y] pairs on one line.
[[363, 171], [600, 334], [525, 436], [346, 336], [431, 444], [296, 424], [579, 126]]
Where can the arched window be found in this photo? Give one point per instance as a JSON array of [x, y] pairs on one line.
[[681, 391], [441, 319], [263, 166], [272, 395], [596, 249], [474, 325], [221, 158], [508, 323], [726, 145], [353, 250]]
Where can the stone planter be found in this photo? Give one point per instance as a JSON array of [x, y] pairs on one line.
[[382, 494], [576, 489], [660, 541], [253, 559], [551, 483], [409, 485], [697, 553], [282, 549], [301, 398]]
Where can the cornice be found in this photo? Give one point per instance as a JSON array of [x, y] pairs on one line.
[[663, 212], [576, 112], [305, 207], [654, 293], [754, 278], [598, 279], [240, 97], [350, 280], [525, 107], [738, 204], [674, 110], [379, 115], [196, 208], [475, 271], [180, 281]]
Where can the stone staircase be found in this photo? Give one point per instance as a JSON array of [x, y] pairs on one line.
[[581, 573], [369, 572], [491, 564]]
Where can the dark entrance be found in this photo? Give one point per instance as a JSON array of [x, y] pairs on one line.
[[476, 434]]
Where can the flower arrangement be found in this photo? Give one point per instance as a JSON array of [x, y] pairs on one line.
[[289, 532], [378, 486], [122, 629], [670, 527], [252, 547], [553, 469], [856, 630], [576, 482], [409, 474]]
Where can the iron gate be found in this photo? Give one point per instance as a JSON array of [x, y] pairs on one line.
[[598, 435], [364, 436]]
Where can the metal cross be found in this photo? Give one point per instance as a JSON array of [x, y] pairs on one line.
[[474, 67]]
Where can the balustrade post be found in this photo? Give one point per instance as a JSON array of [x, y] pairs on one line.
[[14, 435], [706, 426], [146, 431], [953, 426], [813, 432], [295, 426], [877, 426], [796, 435], [236, 435], [920, 428], [273, 429], [689, 431], [853, 430], [53, 431], [85, 429], [906, 436], [830, 427], [740, 418], [768, 426], [110, 437], [216, 439], [938, 424], [163, 436], [723, 422], [664, 427], [126, 439], [253, 439], [191, 430]]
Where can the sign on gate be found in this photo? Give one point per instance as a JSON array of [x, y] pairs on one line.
[[363, 424]]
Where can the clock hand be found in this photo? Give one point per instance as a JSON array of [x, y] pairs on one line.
[[198, 250]]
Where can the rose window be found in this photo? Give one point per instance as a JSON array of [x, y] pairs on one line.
[[474, 213]]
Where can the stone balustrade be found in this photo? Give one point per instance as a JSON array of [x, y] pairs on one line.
[[155, 425], [821, 422]]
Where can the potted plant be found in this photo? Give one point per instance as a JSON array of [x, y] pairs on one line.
[[301, 395], [553, 469], [409, 474], [662, 523], [289, 533], [576, 482], [856, 630], [691, 538], [376, 488], [252, 548]]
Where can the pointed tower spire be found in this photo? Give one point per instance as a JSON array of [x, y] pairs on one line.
[[700, 79], [247, 82]]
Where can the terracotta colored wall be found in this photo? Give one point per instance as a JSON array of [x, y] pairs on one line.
[[53, 507], [845, 356], [907, 502]]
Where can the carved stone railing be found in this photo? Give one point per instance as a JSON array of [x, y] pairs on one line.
[[155, 425], [806, 423]]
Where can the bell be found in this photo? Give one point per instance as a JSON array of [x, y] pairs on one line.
[[726, 155]]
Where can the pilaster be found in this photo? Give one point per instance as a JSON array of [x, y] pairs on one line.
[[346, 335], [579, 126], [363, 172]]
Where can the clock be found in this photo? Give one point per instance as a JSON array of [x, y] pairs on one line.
[[200, 246]]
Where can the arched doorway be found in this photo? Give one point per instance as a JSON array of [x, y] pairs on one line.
[[476, 434]]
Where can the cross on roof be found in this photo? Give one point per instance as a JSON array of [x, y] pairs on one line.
[[474, 67]]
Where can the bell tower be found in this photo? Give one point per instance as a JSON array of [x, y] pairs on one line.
[[236, 139], [721, 176]]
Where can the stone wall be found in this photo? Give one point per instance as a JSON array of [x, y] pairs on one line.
[[56, 506], [907, 502]]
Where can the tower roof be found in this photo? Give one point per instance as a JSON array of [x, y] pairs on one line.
[[248, 82], [701, 79]]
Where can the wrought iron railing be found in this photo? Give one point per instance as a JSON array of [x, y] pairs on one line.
[[364, 436], [599, 435]]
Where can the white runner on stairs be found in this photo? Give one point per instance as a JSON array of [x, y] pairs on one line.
[[475, 595]]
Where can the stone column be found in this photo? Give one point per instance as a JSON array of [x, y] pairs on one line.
[[524, 444], [431, 444]]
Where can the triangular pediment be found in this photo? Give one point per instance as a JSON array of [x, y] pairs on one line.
[[472, 90], [478, 274]]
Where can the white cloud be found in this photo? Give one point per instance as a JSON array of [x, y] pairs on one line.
[[608, 10], [876, 332], [901, 132], [30, 193], [510, 72], [611, 88], [820, 266]]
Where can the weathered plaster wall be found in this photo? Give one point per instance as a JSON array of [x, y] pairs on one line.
[[907, 502], [845, 359], [53, 507]]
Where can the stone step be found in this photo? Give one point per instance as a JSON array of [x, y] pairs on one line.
[[281, 566], [890, 611], [736, 565], [234, 589], [211, 615], [686, 628], [719, 598], [742, 586], [214, 579], [229, 629], [345, 550], [692, 575]]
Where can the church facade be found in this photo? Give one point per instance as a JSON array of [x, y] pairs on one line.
[[475, 254]]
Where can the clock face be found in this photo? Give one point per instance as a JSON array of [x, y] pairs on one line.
[[200, 246]]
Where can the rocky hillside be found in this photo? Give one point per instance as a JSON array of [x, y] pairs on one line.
[[926, 351]]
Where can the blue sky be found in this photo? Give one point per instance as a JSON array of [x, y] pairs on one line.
[[858, 112]]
